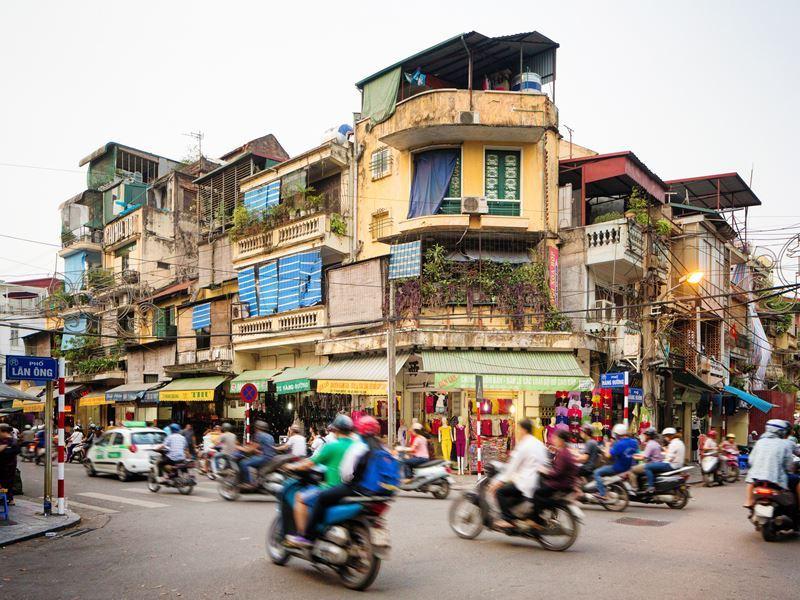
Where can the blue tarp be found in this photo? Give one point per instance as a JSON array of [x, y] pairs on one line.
[[432, 173], [74, 268], [750, 399], [201, 315], [260, 199], [73, 327], [267, 289], [247, 289]]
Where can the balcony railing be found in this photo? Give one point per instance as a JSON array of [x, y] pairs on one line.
[[614, 250], [81, 235], [304, 318], [122, 229], [316, 228]]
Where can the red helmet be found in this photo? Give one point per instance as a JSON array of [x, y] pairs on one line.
[[712, 434], [368, 426]]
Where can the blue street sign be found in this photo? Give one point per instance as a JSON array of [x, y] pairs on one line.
[[31, 368], [612, 380], [635, 395]]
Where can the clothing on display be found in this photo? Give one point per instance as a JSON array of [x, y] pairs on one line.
[[461, 440], [441, 404], [430, 403], [446, 438]]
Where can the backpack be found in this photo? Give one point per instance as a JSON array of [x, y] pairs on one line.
[[381, 473]]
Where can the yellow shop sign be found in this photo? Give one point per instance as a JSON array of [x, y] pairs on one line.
[[365, 388]]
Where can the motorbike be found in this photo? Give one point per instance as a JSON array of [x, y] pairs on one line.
[[353, 538], [775, 512], [268, 480], [28, 452], [732, 471], [711, 469], [207, 464], [616, 492], [78, 454], [475, 510], [432, 476], [176, 476]]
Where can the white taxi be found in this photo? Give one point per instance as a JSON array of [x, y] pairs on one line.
[[124, 451]]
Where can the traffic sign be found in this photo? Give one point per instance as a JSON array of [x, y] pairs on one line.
[[31, 368], [613, 380], [635, 395], [249, 393]]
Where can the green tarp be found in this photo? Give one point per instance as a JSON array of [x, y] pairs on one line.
[[380, 97]]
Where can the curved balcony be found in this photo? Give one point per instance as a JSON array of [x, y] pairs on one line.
[[445, 116]]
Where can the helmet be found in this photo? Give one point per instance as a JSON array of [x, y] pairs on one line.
[[260, 425], [342, 423], [650, 432], [669, 431], [730, 436], [27, 426], [587, 429], [619, 430], [712, 434], [226, 427], [368, 426], [174, 427], [778, 426]]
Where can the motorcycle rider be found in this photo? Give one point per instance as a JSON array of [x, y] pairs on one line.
[[330, 456], [674, 458], [520, 478], [652, 453], [228, 445], [591, 452], [561, 478], [729, 450], [418, 449], [28, 434], [771, 460], [263, 448], [295, 444], [622, 451], [177, 449], [74, 439]]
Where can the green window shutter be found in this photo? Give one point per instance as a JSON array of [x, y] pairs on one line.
[[172, 326], [502, 175], [159, 323], [454, 190]]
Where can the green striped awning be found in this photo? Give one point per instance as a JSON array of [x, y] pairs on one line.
[[259, 377]]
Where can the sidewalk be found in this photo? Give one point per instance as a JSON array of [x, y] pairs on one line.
[[24, 523]]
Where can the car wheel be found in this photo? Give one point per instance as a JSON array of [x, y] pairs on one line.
[[122, 473], [90, 470]]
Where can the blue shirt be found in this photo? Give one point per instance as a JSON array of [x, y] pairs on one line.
[[266, 443], [622, 451]]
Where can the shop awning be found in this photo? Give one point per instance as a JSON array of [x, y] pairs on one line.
[[195, 389], [9, 393], [260, 378], [507, 371], [130, 392], [691, 381], [96, 399], [750, 399], [295, 379], [365, 375]]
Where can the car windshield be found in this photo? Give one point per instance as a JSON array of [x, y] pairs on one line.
[[148, 438]]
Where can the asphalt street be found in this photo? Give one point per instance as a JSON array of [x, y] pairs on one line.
[[133, 544]]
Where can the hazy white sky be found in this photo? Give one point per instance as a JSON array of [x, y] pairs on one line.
[[693, 88]]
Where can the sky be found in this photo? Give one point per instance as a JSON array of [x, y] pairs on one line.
[[693, 88]]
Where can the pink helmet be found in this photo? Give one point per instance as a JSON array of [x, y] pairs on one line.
[[368, 426]]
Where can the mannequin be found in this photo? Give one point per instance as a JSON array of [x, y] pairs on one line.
[[446, 440], [402, 432], [461, 446]]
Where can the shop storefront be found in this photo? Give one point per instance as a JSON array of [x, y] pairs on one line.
[[296, 397], [196, 400], [135, 401], [263, 409], [94, 409]]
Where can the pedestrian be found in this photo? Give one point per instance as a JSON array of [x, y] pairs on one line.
[[317, 439], [8, 461], [188, 433]]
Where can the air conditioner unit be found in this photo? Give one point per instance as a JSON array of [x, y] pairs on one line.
[[469, 117], [474, 205], [240, 311], [604, 311]]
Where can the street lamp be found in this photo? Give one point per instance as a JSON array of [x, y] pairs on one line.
[[692, 278]]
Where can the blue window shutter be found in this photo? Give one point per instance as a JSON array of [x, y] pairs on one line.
[[201, 315], [273, 190], [258, 200], [405, 260], [310, 278], [267, 289], [247, 289], [288, 283]]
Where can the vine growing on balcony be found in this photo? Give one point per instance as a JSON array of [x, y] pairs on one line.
[[520, 291]]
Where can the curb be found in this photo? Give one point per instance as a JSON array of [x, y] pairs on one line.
[[70, 521]]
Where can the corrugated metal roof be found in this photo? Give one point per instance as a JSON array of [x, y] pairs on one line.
[[750, 399], [193, 383], [9, 393], [360, 368], [298, 373], [487, 362]]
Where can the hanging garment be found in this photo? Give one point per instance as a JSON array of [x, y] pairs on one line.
[[430, 402], [549, 430], [504, 427], [496, 427], [435, 426], [441, 404], [446, 437], [538, 429], [486, 427], [505, 406], [461, 441]]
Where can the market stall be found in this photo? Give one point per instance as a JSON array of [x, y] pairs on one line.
[[195, 400]]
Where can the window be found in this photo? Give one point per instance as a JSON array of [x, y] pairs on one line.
[[454, 189], [14, 339], [380, 163], [151, 378], [293, 184], [148, 438], [285, 284], [203, 338], [502, 181], [608, 304]]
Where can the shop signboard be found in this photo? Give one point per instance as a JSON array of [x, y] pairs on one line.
[[613, 380], [538, 383], [31, 368], [292, 386], [186, 396], [635, 395], [364, 388]]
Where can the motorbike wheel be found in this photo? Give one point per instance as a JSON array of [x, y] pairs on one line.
[[228, 489], [275, 549], [465, 519], [152, 484], [733, 474], [768, 532], [362, 565], [90, 471], [561, 531], [620, 498], [441, 490], [681, 499]]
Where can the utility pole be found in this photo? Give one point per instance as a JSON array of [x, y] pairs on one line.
[[47, 507], [649, 341], [391, 364]]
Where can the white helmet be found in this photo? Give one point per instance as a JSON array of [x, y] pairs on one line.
[[619, 429], [669, 431], [778, 426]]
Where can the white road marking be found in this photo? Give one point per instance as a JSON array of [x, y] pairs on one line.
[[122, 500], [189, 498], [102, 509]]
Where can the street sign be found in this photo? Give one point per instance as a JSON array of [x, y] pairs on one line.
[[31, 368], [635, 395], [249, 393], [612, 380]]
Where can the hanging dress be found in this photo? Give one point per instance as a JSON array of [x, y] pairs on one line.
[[461, 440]]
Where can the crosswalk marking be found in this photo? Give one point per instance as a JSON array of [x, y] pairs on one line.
[[102, 509], [189, 498], [123, 500]]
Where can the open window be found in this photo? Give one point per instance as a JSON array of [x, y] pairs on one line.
[[431, 185]]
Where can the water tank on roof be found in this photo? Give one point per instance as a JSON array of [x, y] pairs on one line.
[[338, 134]]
